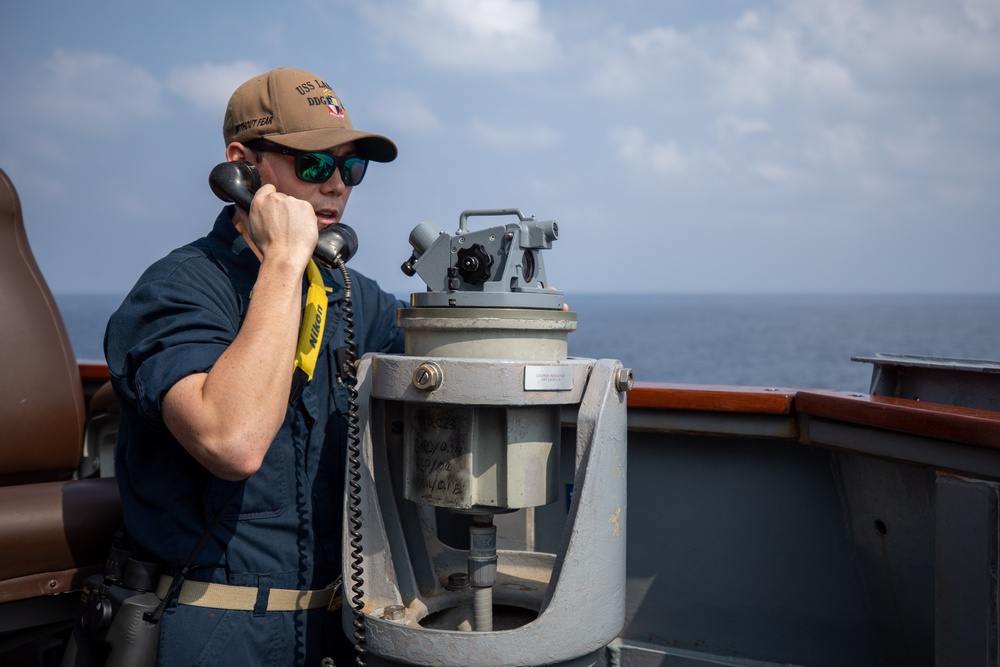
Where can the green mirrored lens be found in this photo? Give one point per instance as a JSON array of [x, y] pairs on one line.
[[316, 167]]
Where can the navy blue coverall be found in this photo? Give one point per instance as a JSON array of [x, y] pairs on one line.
[[281, 527]]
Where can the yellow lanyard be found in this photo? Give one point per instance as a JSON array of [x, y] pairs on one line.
[[311, 332]]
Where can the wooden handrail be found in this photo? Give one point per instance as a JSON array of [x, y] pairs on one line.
[[712, 398], [969, 426], [934, 420]]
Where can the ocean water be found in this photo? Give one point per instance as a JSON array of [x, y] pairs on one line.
[[801, 341]]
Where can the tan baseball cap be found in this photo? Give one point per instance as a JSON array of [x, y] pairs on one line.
[[296, 109]]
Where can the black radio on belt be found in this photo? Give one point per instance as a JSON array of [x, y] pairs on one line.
[[111, 629]]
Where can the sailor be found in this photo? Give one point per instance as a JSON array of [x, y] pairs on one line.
[[221, 438]]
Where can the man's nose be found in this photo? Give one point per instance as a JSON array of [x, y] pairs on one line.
[[334, 184]]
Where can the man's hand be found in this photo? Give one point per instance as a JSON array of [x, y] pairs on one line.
[[282, 227]]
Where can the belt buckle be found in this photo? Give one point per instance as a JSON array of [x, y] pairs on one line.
[[335, 602]]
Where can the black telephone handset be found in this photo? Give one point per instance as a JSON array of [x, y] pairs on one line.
[[238, 181]]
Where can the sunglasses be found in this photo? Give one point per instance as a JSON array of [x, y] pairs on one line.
[[319, 167]]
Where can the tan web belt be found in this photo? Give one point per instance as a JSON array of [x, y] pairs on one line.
[[244, 598]]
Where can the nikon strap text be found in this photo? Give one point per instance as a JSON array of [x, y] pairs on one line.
[[311, 331]]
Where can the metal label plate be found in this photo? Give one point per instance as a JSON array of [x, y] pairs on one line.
[[548, 378]]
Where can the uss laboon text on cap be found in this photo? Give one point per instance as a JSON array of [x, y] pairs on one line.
[[297, 109]]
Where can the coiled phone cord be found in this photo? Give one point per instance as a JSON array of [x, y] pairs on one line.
[[354, 473]]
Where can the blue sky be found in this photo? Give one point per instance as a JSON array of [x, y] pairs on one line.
[[732, 146]]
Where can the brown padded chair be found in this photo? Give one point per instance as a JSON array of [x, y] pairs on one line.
[[54, 530]]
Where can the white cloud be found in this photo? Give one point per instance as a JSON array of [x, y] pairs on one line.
[[773, 173], [209, 86], [902, 42], [90, 91], [615, 76], [633, 65], [808, 95], [662, 159], [984, 14], [730, 125], [405, 111], [661, 42], [666, 159], [467, 35], [514, 137], [765, 66], [841, 145], [853, 55]]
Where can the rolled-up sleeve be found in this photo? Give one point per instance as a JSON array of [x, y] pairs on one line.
[[173, 324]]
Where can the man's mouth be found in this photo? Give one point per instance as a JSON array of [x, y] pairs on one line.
[[327, 216]]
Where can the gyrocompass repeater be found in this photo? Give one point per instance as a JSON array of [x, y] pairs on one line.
[[469, 422]]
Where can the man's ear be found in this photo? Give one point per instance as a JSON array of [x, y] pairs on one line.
[[237, 151]]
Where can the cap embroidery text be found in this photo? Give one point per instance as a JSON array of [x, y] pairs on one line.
[[253, 122]]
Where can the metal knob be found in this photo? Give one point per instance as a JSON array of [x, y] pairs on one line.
[[427, 376]]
